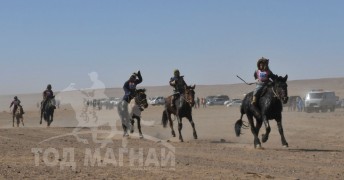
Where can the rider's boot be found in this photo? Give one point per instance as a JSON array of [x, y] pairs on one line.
[[172, 101]]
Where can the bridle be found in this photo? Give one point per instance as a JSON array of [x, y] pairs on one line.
[[139, 100], [187, 98], [278, 94]]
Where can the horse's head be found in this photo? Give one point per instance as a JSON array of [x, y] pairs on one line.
[[141, 98], [190, 95], [281, 88]]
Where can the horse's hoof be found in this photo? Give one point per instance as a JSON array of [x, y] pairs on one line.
[[285, 145], [195, 136], [125, 134], [141, 136], [258, 146]]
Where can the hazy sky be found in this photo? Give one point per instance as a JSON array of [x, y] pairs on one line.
[[62, 41]]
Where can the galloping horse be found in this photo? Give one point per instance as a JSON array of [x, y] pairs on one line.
[[19, 116], [140, 101], [269, 106], [48, 111], [183, 108], [135, 109]]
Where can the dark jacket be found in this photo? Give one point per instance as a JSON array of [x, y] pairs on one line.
[[48, 94], [179, 85], [129, 88]]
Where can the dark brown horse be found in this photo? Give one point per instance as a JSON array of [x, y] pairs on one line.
[[182, 108]]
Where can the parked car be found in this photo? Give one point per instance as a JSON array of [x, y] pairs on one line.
[[209, 98], [218, 100], [159, 100], [235, 102], [317, 100]]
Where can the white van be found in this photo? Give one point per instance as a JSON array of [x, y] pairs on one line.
[[320, 100]]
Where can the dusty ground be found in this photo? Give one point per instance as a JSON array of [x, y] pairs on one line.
[[316, 148]]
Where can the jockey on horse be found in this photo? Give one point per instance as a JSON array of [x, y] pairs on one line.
[[178, 83], [48, 94], [263, 76], [16, 104]]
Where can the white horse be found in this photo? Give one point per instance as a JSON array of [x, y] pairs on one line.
[[127, 115], [19, 116]]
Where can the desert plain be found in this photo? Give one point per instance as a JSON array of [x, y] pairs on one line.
[[34, 151]]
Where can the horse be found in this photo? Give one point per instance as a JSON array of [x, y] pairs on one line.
[[47, 112], [269, 107], [140, 102], [135, 109], [182, 108], [19, 116]]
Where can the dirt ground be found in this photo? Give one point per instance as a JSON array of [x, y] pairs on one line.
[[316, 148]]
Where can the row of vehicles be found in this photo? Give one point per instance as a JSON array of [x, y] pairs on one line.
[[222, 100], [210, 101]]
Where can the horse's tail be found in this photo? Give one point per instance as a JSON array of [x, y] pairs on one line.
[[238, 126], [164, 118]]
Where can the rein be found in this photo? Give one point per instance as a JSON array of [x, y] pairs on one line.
[[138, 100], [276, 95]]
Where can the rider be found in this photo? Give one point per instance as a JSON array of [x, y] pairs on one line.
[[263, 76], [48, 94], [129, 86], [179, 84], [15, 103]]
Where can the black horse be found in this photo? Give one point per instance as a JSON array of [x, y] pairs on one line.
[[48, 112], [183, 108], [270, 107]]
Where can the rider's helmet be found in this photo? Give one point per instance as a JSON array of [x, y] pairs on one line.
[[176, 73], [49, 87], [132, 77], [15, 98], [264, 61]]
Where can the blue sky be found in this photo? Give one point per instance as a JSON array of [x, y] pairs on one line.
[[210, 42]]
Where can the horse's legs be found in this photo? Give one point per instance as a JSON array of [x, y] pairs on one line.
[[40, 122], [18, 121], [180, 127], [13, 119], [50, 119], [22, 120], [132, 121], [193, 127], [139, 126], [125, 130], [280, 129], [171, 124], [265, 136], [254, 131]]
